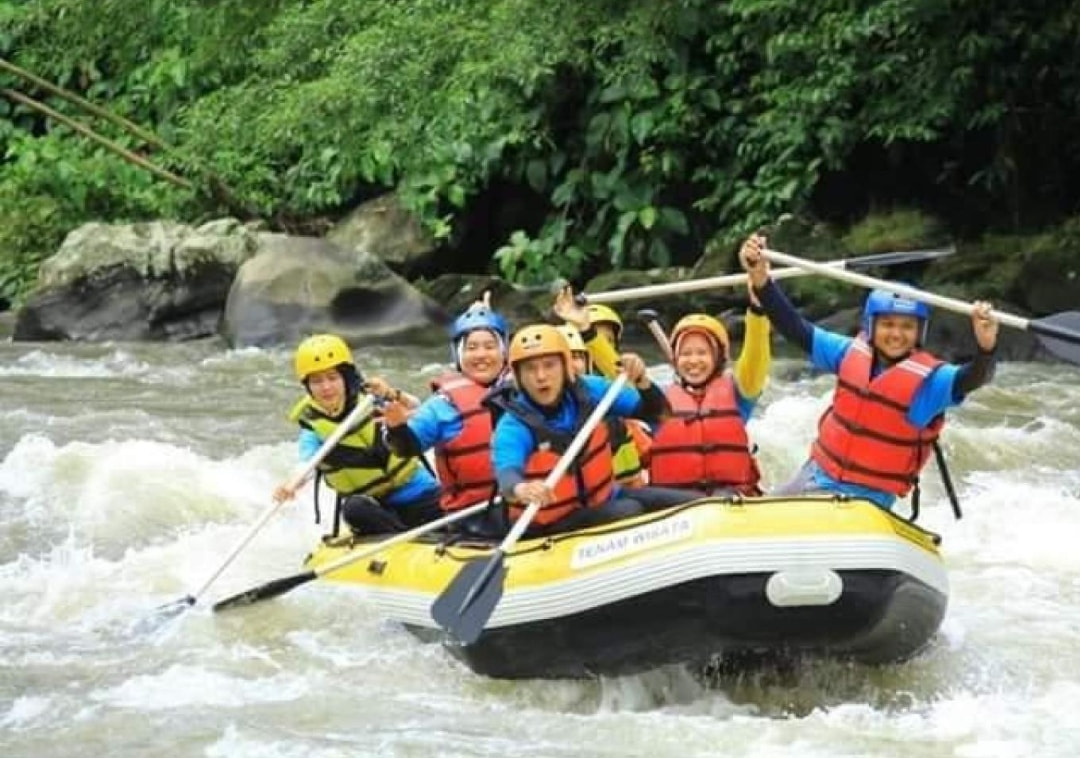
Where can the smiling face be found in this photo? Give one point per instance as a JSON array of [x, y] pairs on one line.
[[542, 378], [895, 336], [695, 360], [481, 357], [327, 388]]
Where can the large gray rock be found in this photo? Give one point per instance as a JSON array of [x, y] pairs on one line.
[[296, 286], [1049, 279], [385, 229], [519, 305], [146, 281]]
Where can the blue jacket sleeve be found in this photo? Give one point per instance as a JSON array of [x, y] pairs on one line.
[[934, 396], [307, 444], [511, 445]]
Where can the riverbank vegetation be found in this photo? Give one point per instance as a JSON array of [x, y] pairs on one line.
[[554, 137]]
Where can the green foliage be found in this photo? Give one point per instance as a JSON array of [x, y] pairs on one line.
[[50, 185], [648, 127], [894, 230]]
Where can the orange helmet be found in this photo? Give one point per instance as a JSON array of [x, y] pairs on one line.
[[536, 340], [700, 322]]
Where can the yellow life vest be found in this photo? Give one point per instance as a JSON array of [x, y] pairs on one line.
[[626, 460], [376, 482]]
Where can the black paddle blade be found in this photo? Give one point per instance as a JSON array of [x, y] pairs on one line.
[[467, 603], [1060, 334], [265, 591]]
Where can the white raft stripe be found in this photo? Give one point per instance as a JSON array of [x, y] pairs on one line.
[[719, 558]]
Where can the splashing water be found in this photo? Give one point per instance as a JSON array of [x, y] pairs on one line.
[[127, 473]]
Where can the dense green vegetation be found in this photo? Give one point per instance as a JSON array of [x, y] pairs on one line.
[[632, 132]]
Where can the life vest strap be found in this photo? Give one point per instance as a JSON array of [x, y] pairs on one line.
[[855, 468]]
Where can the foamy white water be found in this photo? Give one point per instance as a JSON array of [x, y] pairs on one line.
[[128, 472]]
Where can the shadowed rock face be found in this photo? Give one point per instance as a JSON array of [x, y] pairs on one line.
[[155, 281], [296, 286], [118, 304]]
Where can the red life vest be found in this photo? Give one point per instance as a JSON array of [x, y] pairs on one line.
[[864, 437], [704, 444], [587, 483], [464, 463]]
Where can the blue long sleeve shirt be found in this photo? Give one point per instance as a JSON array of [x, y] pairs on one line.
[[940, 391], [513, 442]]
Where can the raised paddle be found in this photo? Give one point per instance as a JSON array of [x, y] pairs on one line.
[[362, 408], [1059, 333], [733, 280], [278, 587], [467, 603], [651, 319]]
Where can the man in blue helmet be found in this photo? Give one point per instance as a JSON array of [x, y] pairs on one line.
[[453, 420], [891, 394]]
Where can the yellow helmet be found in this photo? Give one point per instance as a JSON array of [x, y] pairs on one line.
[[573, 338], [320, 352], [602, 314], [535, 340], [700, 322]]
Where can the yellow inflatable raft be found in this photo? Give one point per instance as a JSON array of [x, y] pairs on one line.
[[783, 576]]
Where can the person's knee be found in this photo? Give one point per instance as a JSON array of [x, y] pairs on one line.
[[623, 507], [366, 515]]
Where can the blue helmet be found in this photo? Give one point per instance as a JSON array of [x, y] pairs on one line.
[[479, 317], [883, 302]]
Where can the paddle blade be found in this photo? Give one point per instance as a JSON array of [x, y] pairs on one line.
[[163, 614], [467, 603], [1060, 334], [897, 258], [265, 591]]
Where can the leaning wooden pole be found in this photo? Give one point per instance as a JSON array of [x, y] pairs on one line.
[[216, 185], [86, 131], [97, 110]]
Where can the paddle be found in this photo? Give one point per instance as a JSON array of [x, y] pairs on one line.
[[467, 603], [362, 408], [733, 280], [278, 587], [1059, 333], [651, 319]]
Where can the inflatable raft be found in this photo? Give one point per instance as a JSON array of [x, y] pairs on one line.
[[764, 576]]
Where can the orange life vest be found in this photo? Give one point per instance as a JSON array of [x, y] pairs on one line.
[[704, 445], [587, 483], [464, 463], [864, 437]]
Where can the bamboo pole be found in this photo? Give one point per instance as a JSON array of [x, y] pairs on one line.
[[86, 131], [218, 189]]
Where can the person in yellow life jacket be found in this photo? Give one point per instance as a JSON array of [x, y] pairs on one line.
[[454, 420], [607, 322], [703, 445], [377, 490], [630, 441], [541, 415], [890, 396]]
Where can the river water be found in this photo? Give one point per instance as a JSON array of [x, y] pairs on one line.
[[127, 472]]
